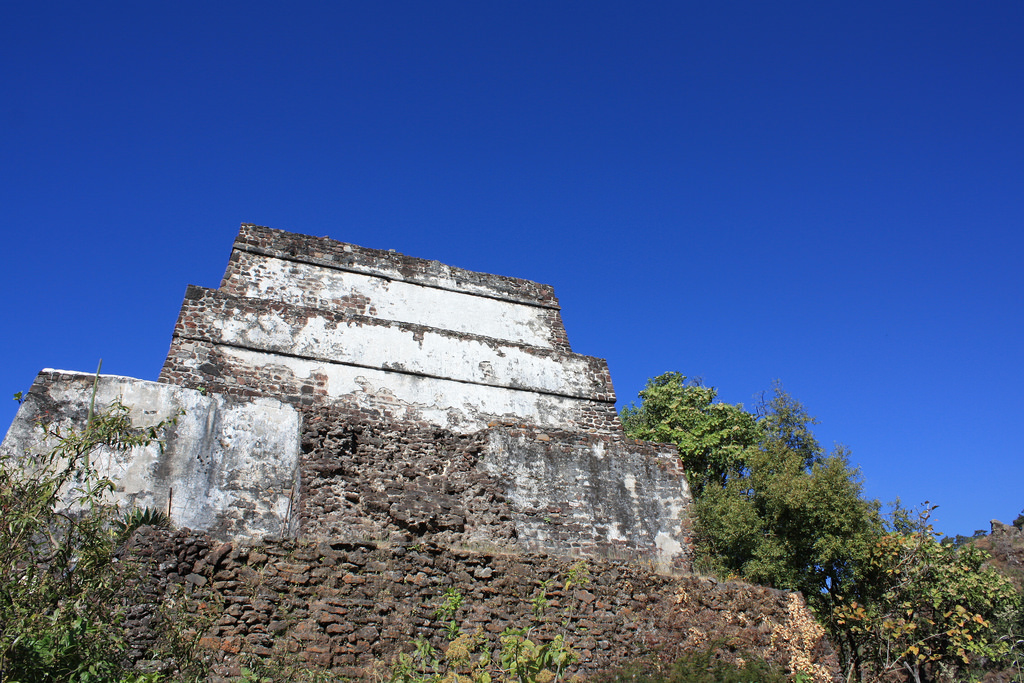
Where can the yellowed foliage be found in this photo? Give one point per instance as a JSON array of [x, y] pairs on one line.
[[797, 636]]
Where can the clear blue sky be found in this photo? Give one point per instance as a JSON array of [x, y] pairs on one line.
[[830, 194]]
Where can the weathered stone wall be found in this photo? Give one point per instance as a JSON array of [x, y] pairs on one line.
[[256, 347], [467, 417], [314, 321], [235, 469], [372, 480], [491, 311], [322, 251], [395, 346], [346, 606], [509, 487], [225, 466], [407, 397], [592, 495]]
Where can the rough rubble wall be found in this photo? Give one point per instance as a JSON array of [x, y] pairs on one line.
[[509, 487], [372, 480], [228, 467], [346, 606]]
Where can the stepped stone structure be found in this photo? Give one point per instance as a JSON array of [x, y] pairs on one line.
[[358, 434], [317, 321], [422, 400]]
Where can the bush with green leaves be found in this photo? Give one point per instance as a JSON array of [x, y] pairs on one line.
[[769, 504], [62, 577], [927, 609]]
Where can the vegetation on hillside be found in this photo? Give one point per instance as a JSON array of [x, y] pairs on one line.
[[772, 507]]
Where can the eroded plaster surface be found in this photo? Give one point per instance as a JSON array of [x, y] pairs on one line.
[[459, 406], [304, 284], [227, 467], [389, 345], [592, 492], [322, 251]]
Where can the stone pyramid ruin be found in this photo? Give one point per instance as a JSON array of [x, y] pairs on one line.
[[330, 390]]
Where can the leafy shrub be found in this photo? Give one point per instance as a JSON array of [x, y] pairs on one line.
[[62, 582], [926, 608]]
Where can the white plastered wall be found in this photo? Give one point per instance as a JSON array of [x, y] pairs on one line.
[[227, 467], [460, 406], [393, 347], [303, 284]]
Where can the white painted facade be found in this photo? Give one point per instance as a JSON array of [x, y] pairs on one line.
[[228, 467], [393, 299], [404, 350], [463, 407]]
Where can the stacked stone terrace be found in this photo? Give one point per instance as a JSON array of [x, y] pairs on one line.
[[377, 349], [313, 321], [330, 391]]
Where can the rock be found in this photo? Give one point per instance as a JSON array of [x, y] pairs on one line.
[[196, 580]]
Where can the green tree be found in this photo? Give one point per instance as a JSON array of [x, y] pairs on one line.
[[714, 439], [784, 427], [769, 505], [787, 525]]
